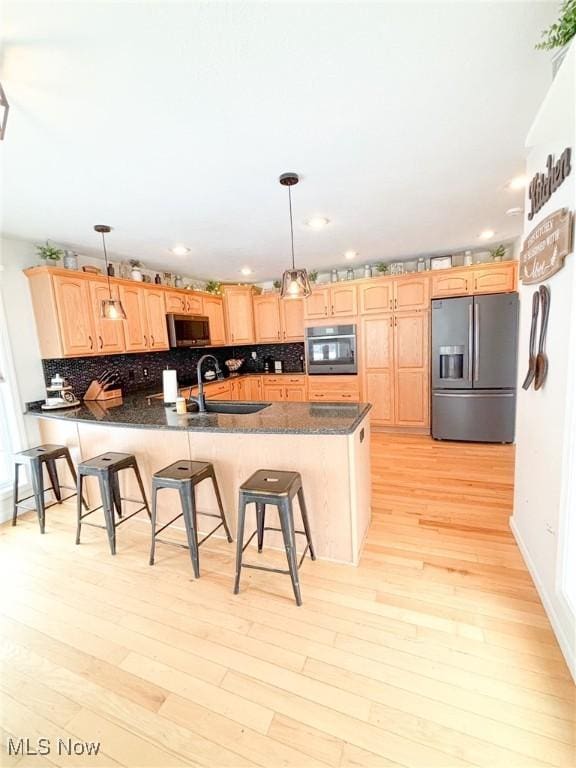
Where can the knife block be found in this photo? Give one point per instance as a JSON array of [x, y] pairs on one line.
[[96, 392]]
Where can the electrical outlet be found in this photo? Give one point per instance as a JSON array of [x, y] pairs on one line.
[[145, 372], [550, 529]]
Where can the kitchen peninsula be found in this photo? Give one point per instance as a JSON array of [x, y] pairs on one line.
[[328, 443]]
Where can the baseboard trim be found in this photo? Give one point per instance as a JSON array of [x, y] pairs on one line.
[[400, 430], [563, 640]]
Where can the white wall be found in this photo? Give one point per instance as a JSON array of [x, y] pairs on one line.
[[544, 418]]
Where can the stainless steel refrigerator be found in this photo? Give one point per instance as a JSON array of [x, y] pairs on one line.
[[474, 357]]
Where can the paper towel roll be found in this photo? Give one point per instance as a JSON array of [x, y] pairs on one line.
[[169, 386]]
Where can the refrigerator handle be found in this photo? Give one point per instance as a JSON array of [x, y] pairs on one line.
[[476, 341], [470, 340]]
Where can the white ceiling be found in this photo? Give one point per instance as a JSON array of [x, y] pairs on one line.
[[171, 122]]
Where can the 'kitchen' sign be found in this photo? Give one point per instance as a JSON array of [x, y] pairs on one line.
[[546, 247], [543, 185]]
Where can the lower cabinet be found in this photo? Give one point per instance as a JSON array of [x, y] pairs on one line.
[[334, 388], [284, 388]]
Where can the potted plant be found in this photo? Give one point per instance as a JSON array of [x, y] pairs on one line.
[[382, 268], [498, 253], [558, 35], [313, 275], [213, 286], [277, 285], [48, 254], [135, 272]]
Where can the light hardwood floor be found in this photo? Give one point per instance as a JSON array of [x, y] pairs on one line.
[[435, 652]]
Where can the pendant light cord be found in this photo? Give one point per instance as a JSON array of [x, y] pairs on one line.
[[291, 226], [106, 262]]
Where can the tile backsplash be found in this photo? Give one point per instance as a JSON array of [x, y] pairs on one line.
[[138, 371]]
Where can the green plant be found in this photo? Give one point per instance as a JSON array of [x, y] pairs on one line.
[[382, 267], [47, 252], [498, 253], [135, 263], [563, 30], [213, 286], [313, 275], [277, 284]]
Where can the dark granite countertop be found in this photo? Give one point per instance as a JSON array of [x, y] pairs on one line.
[[141, 411]]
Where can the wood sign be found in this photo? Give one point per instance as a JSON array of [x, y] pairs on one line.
[[546, 247], [543, 185]]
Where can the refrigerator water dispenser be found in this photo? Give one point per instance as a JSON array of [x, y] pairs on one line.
[[451, 362]]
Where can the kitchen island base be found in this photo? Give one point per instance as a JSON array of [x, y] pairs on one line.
[[335, 470]]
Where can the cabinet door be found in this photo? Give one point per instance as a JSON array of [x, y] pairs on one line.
[[135, 325], [194, 304], [317, 305], [234, 390], [175, 303], [156, 319], [273, 392], [334, 388], [295, 393], [292, 319], [343, 300], [411, 293], [243, 389], [500, 279], [109, 333], [214, 311], [221, 390], [75, 315], [376, 296], [254, 388], [379, 390], [411, 369], [451, 282], [239, 315], [267, 318]]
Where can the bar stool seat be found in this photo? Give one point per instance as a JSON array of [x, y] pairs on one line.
[[105, 467], [277, 488], [36, 459], [184, 476]]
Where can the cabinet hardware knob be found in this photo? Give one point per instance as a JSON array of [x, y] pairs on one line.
[[390, 321], [395, 303], [101, 342], [152, 340], [91, 342], [145, 340]]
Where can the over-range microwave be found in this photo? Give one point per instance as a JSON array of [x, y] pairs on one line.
[[188, 330]]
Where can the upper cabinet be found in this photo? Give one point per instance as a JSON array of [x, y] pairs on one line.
[[411, 292], [337, 300], [75, 315], [239, 313], [157, 335], [278, 319], [109, 333], [376, 296], [452, 282], [484, 278], [267, 318], [495, 278], [213, 309], [135, 325], [183, 303], [386, 294]]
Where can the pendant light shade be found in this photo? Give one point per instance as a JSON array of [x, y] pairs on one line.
[[295, 282], [111, 309]]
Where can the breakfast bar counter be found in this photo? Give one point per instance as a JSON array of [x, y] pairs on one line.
[[328, 443]]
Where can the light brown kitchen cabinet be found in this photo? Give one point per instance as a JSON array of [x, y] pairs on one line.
[[212, 308], [239, 388], [452, 282], [411, 292], [395, 368], [496, 278], [109, 333], [286, 388], [254, 388], [239, 314], [136, 325], [267, 318], [334, 388], [75, 315], [292, 319], [317, 305], [273, 392], [157, 330], [175, 303], [376, 296]]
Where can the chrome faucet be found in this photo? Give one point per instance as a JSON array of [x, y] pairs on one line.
[[201, 398]]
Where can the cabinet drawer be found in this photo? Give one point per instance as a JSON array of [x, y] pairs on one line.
[[334, 388], [335, 396], [274, 380]]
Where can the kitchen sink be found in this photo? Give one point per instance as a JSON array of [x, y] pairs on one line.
[[221, 406]]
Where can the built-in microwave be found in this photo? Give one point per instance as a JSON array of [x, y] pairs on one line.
[[188, 330], [331, 349]]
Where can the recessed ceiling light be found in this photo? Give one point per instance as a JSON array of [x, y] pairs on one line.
[[317, 222], [246, 271], [350, 255], [486, 234], [515, 211], [518, 182], [180, 250]]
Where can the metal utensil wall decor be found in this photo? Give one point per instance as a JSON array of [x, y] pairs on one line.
[[538, 361], [546, 247]]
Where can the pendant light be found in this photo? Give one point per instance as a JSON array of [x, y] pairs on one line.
[[295, 282], [111, 309]]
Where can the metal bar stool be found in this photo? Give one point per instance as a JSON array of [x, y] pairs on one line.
[[271, 486], [183, 476], [106, 468], [36, 459]]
